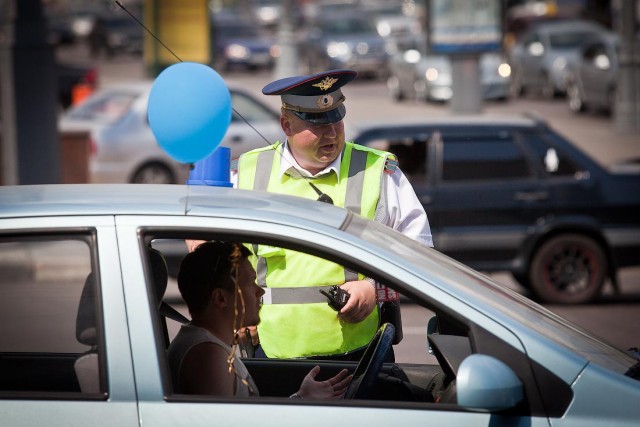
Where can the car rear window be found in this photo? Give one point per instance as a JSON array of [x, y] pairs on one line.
[[481, 158], [105, 109]]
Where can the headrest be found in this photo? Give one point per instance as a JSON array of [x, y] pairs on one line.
[[86, 318], [159, 273]]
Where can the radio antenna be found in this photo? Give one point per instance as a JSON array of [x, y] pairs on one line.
[[321, 196]]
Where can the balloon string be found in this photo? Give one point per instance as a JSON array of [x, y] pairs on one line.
[[238, 318], [147, 30], [233, 109]]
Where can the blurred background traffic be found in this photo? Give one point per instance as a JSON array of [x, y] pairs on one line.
[[554, 48]]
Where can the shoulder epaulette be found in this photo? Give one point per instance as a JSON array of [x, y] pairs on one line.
[[390, 165]]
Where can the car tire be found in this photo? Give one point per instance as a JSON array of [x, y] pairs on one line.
[[153, 173], [548, 89], [516, 88], [395, 91], [576, 102], [568, 269], [611, 101]]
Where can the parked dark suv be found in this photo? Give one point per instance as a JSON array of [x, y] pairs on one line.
[[510, 194]]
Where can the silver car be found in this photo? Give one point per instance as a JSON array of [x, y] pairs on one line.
[[426, 77], [592, 79], [124, 149], [539, 59], [346, 40], [85, 319]]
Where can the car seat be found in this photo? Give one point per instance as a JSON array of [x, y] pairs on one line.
[[160, 277], [87, 366]]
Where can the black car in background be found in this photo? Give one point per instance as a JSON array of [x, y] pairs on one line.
[[511, 194]]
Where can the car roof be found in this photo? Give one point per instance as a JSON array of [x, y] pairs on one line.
[[29, 201], [460, 121], [567, 25]]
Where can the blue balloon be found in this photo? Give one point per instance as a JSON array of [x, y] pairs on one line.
[[189, 111]]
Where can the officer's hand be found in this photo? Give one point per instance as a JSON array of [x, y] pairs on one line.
[[361, 302]]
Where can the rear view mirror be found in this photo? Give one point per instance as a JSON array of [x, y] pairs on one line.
[[485, 383]]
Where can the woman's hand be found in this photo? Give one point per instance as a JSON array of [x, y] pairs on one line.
[[362, 300], [333, 388]]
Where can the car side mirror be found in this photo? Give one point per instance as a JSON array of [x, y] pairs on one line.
[[487, 384]]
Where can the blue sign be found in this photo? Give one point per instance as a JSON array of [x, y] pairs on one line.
[[463, 26]]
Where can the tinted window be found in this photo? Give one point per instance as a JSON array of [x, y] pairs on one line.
[[409, 148], [482, 158], [551, 158], [567, 40], [47, 315]]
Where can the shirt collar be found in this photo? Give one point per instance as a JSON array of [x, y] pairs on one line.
[[289, 166]]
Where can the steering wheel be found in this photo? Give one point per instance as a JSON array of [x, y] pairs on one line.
[[370, 365]]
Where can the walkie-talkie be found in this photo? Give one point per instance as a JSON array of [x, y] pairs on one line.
[[336, 297]]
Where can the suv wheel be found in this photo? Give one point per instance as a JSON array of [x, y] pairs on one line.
[[576, 103], [393, 86], [153, 173], [516, 88], [568, 269], [548, 89]]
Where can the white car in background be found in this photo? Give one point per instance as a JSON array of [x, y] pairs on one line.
[[124, 149]]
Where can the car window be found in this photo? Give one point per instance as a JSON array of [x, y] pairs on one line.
[[410, 149], [568, 40], [250, 110], [107, 108], [48, 324], [482, 158], [349, 25], [552, 159], [423, 380]]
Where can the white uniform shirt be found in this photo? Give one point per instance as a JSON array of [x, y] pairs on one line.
[[398, 207]]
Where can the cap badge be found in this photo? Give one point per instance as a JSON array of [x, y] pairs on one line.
[[324, 101], [326, 83]]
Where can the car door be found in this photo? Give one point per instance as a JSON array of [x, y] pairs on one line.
[[159, 406], [486, 196], [64, 354]]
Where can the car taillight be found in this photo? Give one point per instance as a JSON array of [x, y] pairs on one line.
[[90, 77], [93, 147]]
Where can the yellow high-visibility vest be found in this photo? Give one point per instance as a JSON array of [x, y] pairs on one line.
[[297, 322]]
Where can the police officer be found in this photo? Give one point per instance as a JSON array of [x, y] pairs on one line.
[[316, 162]]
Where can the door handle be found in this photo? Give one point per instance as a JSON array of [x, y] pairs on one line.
[[531, 196]]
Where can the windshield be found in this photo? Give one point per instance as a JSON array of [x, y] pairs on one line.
[[500, 298], [348, 26], [237, 30], [106, 108], [567, 40]]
